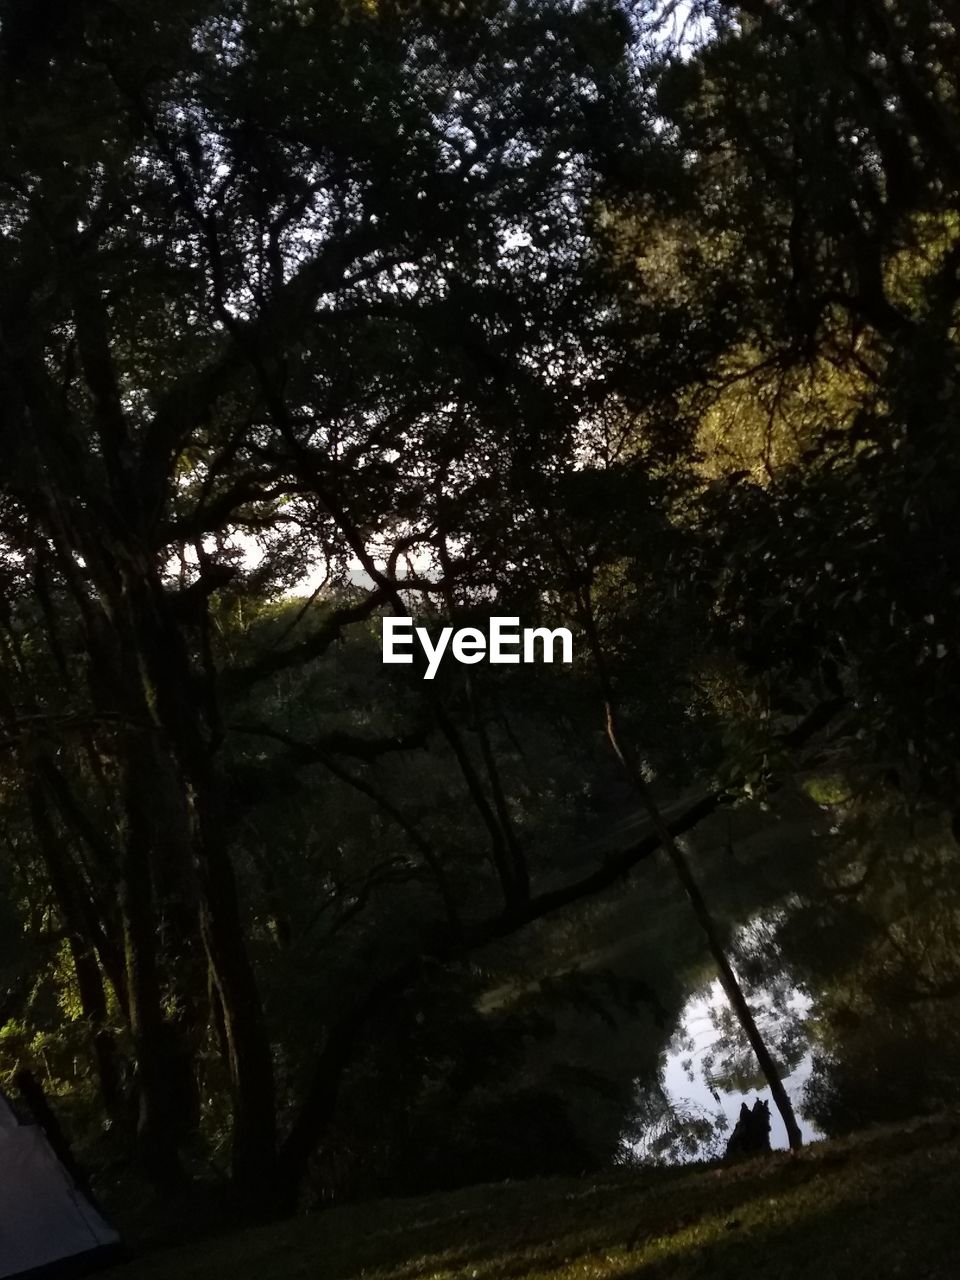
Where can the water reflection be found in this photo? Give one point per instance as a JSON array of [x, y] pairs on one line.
[[704, 1070], [854, 977], [708, 1069]]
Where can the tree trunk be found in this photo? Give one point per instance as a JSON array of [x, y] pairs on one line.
[[684, 873], [157, 1121], [316, 1111], [249, 1054], [93, 1002], [520, 878], [184, 709], [728, 979]]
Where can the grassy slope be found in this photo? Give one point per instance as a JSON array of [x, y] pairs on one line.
[[882, 1204]]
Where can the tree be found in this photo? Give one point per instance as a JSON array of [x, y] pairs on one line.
[[297, 277], [833, 198]]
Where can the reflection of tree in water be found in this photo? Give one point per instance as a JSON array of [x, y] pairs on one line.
[[711, 1051], [779, 1007], [664, 1130], [858, 972]]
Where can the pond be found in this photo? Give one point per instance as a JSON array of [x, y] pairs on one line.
[[692, 1077], [852, 973], [707, 1069]]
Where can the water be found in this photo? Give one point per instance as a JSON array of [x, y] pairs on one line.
[[689, 1077]]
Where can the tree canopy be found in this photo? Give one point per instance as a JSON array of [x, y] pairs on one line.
[[636, 318]]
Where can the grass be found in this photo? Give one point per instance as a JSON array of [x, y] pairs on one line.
[[880, 1204]]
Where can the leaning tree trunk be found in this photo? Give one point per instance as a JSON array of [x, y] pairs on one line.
[[728, 979], [684, 873]]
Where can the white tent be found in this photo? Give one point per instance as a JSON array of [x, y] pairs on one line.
[[47, 1226]]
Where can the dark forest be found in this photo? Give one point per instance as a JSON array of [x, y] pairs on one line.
[[629, 317]]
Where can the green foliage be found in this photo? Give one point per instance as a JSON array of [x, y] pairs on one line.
[[507, 308]]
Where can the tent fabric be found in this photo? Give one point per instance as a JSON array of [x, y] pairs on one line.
[[47, 1226]]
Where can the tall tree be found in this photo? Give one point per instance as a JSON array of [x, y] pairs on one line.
[[280, 286]]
